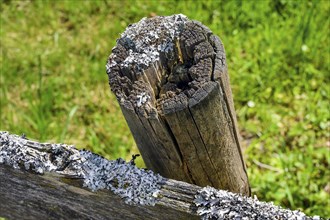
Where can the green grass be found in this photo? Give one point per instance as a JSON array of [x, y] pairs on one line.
[[54, 86]]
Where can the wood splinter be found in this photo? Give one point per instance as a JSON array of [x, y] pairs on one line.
[[170, 78]]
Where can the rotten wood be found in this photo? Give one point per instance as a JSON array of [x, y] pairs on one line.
[[170, 78]]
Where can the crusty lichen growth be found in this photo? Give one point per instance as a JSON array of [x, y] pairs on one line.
[[145, 40], [220, 204], [136, 186]]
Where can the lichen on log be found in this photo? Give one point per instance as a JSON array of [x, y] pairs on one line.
[[218, 204], [38, 194], [134, 185]]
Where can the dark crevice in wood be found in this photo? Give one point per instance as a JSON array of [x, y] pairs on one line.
[[172, 137], [213, 60], [158, 160], [168, 128], [188, 172], [196, 151], [201, 137], [187, 167]]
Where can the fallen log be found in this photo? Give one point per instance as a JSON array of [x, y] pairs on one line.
[[57, 181], [170, 78]]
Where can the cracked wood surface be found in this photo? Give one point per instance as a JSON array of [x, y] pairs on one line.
[[24, 195], [170, 78]]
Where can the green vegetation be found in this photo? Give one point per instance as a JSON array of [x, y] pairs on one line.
[[54, 86]]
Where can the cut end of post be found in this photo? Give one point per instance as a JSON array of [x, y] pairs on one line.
[[163, 64]]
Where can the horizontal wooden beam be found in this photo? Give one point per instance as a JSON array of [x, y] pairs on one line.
[[57, 181], [24, 195]]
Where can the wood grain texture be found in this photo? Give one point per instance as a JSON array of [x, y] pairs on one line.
[[25, 195], [170, 78]]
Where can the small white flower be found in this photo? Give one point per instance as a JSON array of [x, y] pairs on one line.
[[251, 104]]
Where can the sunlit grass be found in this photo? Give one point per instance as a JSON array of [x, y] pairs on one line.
[[54, 87]]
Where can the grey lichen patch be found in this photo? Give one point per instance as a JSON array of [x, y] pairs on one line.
[[145, 40], [134, 185], [219, 204], [19, 152]]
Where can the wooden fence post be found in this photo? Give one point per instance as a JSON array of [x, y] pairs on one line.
[[170, 78]]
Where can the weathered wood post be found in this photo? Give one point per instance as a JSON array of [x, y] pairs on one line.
[[170, 78]]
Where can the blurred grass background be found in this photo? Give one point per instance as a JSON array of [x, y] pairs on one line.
[[54, 87]]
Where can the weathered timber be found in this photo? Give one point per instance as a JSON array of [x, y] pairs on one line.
[[25, 195], [170, 78], [56, 181]]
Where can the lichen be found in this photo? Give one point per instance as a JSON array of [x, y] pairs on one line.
[[141, 99], [146, 39], [134, 185], [220, 204]]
